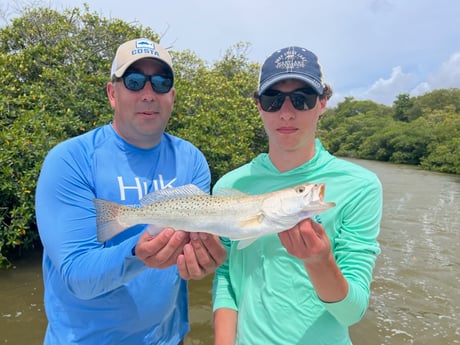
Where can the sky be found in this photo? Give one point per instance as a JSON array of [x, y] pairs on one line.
[[369, 49]]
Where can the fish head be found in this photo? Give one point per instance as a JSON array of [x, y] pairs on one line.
[[297, 203], [313, 198]]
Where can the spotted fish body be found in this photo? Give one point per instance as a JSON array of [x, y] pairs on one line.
[[231, 214]]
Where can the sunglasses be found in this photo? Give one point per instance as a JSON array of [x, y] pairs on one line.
[[135, 81], [302, 99]]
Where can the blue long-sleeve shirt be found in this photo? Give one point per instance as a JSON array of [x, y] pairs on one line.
[[99, 293]]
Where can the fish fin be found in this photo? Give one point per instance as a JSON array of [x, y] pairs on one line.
[[252, 222], [245, 243], [171, 193], [106, 219], [153, 230], [229, 192]]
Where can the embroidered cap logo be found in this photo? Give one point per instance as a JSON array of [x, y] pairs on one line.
[[291, 60]]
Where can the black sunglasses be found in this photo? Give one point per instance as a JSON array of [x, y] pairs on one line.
[[135, 81], [302, 99]]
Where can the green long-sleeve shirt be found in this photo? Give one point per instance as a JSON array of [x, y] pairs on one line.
[[270, 289]]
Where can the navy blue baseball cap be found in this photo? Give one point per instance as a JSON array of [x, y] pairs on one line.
[[291, 63]]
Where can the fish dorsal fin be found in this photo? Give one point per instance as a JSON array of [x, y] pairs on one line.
[[229, 192], [171, 193]]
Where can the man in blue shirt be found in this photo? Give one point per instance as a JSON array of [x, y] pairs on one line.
[[131, 289]]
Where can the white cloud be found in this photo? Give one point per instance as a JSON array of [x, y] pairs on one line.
[[420, 89], [385, 91], [448, 74], [381, 6]]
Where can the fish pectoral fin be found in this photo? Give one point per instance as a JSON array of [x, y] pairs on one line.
[[252, 222], [245, 243], [153, 230]]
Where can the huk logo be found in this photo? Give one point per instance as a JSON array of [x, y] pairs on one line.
[[142, 188]]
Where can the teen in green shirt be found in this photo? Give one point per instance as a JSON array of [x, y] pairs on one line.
[[308, 284]]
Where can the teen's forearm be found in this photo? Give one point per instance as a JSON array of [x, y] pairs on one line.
[[225, 321], [327, 279]]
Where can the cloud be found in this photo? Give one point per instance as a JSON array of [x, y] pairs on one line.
[[381, 6], [448, 74], [385, 91], [420, 89]]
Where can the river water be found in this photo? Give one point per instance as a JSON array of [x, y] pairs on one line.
[[415, 294]]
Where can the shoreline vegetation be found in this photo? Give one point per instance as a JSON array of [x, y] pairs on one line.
[[54, 68]]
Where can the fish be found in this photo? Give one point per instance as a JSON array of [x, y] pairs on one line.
[[228, 213]]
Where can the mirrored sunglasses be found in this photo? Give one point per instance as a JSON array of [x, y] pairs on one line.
[[136, 81], [301, 99]]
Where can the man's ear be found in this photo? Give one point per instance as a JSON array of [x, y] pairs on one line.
[[110, 88]]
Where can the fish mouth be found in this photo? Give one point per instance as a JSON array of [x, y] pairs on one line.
[[321, 191], [316, 194]]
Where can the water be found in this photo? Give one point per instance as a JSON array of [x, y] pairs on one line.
[[415, 296], [22, 318]]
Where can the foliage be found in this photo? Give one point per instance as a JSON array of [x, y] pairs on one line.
[[215, 111], [402, 108], [346, 129], [423, 130], [54, 69], [443, 149]]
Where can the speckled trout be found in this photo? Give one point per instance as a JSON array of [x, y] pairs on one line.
[[228, 213]]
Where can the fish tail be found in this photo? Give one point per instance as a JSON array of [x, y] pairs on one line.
[[107, 222]]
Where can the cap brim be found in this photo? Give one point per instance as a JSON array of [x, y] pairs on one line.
[[121, 70], [314, 84]]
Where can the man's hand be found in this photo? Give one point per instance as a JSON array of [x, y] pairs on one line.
[[201, 256], [196, 254], [162, 250]]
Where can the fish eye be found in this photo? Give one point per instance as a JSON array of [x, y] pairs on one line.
[[300, 189]]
